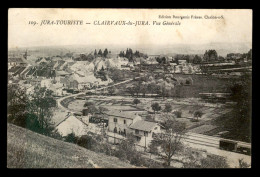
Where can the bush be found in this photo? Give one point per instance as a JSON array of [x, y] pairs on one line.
[[71, 138], [177, 114]]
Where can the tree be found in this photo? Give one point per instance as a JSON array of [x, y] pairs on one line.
[[197, 59], [95, 53], [181, 68], [194, 159], [189, 81], [130, 90], [71, 138], [156, 107], [210, 55], [143, 88], [31, 111], [149, 118], [116, 74], [137, 88], [177, 114], [170, 141], [126, 148], [105, 53], [198, 114], [136, 101], [100, 52], [40, 106], [111, 90], [249, 54], [214, 161], [17, 101], [238, 121], [243, 164], [91, 108], [168, 108]]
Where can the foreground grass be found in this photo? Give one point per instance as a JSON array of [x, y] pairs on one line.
[[26, 149]]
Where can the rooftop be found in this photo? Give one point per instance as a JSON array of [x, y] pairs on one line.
[[59, 73], [143, 125], [18, 60], [123, 114]]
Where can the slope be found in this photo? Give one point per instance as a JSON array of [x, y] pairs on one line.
[[27, 149]]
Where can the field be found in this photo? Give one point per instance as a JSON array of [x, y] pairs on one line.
[[26, 149], [187, 106], [201, 84]]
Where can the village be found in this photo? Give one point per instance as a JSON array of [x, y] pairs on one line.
[[119, 94]]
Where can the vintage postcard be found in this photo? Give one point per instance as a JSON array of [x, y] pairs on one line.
[[129, 88]]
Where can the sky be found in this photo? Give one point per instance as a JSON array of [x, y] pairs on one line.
[[236, 27]]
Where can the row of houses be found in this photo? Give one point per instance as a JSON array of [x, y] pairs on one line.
[[117, 125]]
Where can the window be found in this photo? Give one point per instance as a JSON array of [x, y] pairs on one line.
[[145, 134], [115, 130], [115, 119], [124, 121], [136, 131]]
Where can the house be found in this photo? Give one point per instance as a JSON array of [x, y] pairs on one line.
[[72, 124], [74, 84], [57, 89], [125, 67], [86, 85], [119, 121], [144, 131], [16, 62], [61, 74], [46, 83], [24, 73], [182, 62], [35, 81]]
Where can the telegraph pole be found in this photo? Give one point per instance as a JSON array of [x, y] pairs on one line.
[[115, 135], [145, 141]]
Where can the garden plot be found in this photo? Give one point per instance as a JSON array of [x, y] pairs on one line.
[[225, 111], [77, 105], [213, 116], [176, 107], [118, 107], [208, 111], [217, 110], [58, 116]]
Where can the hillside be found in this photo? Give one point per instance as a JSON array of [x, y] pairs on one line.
[[27, 149]]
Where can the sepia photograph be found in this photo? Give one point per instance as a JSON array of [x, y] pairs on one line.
[[129, 88]]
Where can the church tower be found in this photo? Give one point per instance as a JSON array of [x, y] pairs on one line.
[[25, 54]]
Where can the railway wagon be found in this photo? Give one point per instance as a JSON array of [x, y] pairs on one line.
[[235, 146], [244, 149], [228, 145]]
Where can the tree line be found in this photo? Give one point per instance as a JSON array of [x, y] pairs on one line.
[[101, 54], [130, 55]]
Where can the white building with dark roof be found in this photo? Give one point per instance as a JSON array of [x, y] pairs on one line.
[[119, 121], [144, 130]]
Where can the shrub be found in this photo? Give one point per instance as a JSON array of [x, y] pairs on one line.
[[177, 114], [71, 138]]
